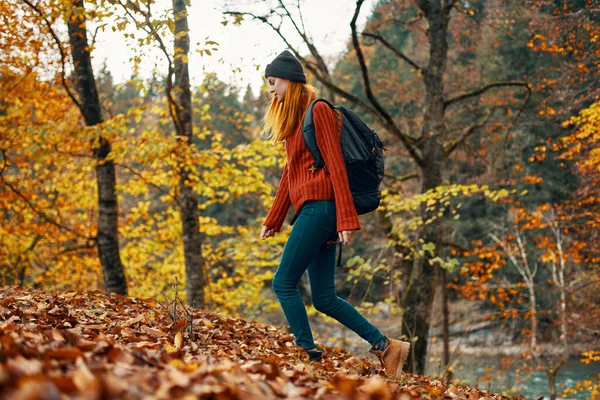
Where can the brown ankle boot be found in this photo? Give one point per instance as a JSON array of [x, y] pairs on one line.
[[393, 357]]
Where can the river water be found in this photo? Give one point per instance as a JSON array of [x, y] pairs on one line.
[[499, 373], [502, 374]]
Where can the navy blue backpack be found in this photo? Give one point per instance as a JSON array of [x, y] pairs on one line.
[[363, 155]]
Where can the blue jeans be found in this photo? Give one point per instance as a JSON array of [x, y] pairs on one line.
[[312, 245]]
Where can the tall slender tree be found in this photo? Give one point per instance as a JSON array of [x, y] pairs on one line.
[[188, 199], [179, 99], [107, 239]]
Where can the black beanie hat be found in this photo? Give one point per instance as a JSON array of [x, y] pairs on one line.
[[286, 66]]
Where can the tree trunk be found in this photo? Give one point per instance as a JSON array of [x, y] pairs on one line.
[[533, 317], [552, 382], [552, 386], [418, 299], [107, 238], [195, 279], [559, 280], [563, 319], [446, 322]]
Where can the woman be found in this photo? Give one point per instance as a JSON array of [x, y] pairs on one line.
[[325, 213]]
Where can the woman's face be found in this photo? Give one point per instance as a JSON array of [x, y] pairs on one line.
[[277, 87]]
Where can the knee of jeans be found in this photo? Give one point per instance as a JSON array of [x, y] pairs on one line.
[[325, 304], [279, 286], [276, 284]]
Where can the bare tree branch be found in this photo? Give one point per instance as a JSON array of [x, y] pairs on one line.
[[68, 249], [449, 149], [512, 123], [60, 49], [577, 13], [523, 268], [394, 50], [71, 154], [93, 41], [388, 123], [375, 25], [485, 88], [403, 178], [311, 47], [325, 81], [460, 10], [447, 243], [369, 92], [363, 65], [301, 16]]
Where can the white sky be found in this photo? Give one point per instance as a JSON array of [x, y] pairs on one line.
[[241, 48]]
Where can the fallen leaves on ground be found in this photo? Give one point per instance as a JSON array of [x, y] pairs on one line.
[[93, 345]]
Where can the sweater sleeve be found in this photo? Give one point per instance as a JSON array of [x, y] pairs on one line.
[[328, 140], [281, 204]]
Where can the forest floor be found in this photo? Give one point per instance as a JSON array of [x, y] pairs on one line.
[[482, 353], [93, 345]]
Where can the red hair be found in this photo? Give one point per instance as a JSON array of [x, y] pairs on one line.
[[283, 118]]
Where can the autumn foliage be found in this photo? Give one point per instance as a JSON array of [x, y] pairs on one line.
[[511, 204], [98, 346]]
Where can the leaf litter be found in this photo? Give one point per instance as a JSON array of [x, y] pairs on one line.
[[94, 345]]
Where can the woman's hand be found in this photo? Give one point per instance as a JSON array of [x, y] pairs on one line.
[[267, 232], [345, 236]]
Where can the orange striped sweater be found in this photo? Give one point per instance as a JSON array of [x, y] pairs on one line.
[[298, 184]]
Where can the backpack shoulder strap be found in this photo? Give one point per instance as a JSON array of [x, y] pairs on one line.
[[309, 135]]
